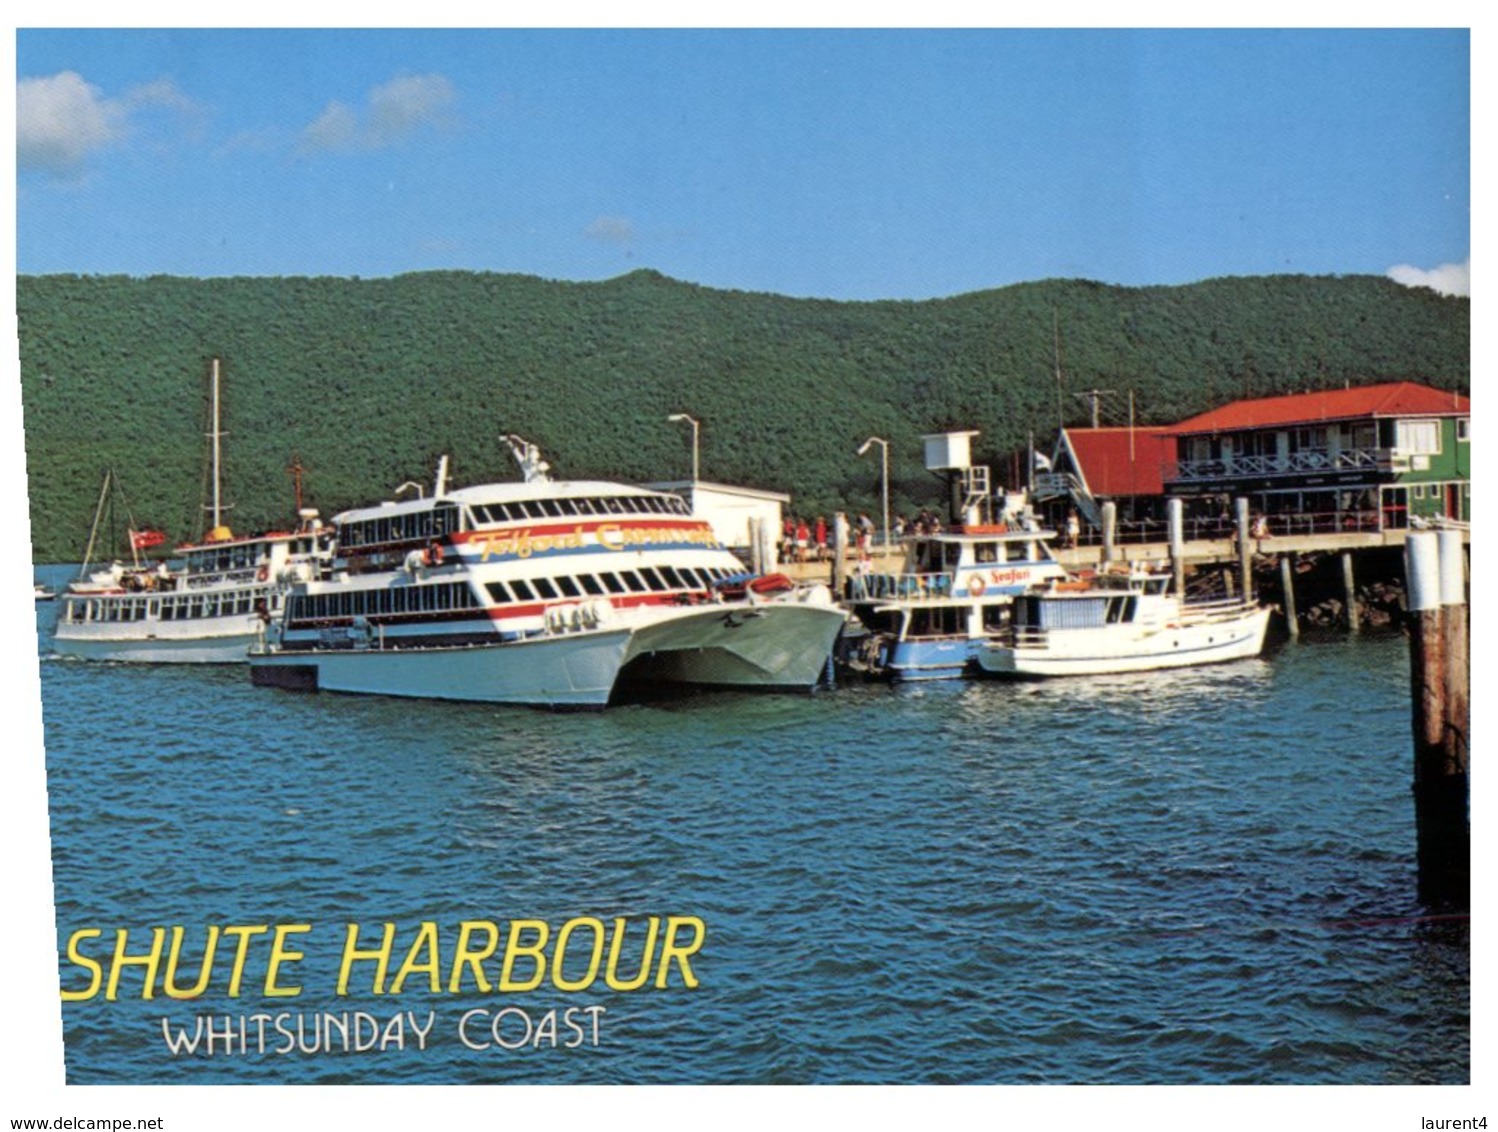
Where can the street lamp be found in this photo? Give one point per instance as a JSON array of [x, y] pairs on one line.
[[694, 423], [884, 460]]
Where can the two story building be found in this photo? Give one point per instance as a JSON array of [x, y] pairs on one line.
[[1372, 457]]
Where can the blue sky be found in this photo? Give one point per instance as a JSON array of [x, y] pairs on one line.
[[849, 164]]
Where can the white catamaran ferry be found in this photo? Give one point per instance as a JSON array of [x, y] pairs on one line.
[[208, 608], [547, 593]]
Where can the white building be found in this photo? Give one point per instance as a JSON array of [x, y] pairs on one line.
[[729, 509]]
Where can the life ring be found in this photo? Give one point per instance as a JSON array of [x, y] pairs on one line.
[[975, 587], [433, 555], [262, 574]]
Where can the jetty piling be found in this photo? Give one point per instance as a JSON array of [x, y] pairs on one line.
[[839, 553], [1176, 510], [1443, 843], [1287, 589], [1350, 593], [1245, 555], [1110, 530]]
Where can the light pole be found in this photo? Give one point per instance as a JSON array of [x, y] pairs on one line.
[[884, 462], [694, 423]]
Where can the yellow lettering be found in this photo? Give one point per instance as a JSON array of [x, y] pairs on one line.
[[426, 937], [78, 959], [244, 932], [150, 961], [557, 978], [616, 945], [380, 956], [610, 537], [280, 953], [210, 948], [672, 950], [466, 956], [514, 950]]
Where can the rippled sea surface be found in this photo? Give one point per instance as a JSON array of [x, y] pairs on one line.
[[1203, 877]]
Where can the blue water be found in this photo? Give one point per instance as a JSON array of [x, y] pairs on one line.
[[1199, 877]]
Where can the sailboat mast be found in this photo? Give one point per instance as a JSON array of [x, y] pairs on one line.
[[93, 531], [217, 488]]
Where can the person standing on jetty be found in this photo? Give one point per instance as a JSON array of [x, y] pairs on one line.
[[821, 536]]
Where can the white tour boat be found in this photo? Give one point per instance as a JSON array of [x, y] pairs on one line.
[[1121, 623], [547, 593], [929, 621], [208, 608]]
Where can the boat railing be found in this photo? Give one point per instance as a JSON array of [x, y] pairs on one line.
[[897, 587], [1215, 610]]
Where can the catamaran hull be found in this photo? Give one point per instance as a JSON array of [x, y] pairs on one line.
[[574, 671], [774, 647], [1094, 652], [227, 643]]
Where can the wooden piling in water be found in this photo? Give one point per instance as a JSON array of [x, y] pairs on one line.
[[1349, 592], [839, 553], [1110, 530], [1175, 510], [1442, 838], [1245, 554], [1287, 592]]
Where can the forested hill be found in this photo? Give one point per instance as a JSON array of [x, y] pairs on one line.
[[368, 381]]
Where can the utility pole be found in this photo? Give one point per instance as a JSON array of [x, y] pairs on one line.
[[1093, 396]]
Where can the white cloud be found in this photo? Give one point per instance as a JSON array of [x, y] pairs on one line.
[[61, 120], [1447, 279], [391, 112], [611, 230]]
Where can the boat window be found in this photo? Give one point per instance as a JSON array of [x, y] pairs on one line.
[[568, 587], [498, 593], [523, 589], [611, 582], [633, 580], [653, 578], [985, 552], [583, 506], [545, 588], [591, 584], [613, 506], [673, 579]]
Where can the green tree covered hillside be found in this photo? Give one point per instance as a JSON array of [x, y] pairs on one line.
[[368, 381]]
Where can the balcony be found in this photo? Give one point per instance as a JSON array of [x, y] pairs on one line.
[[1309, 462]]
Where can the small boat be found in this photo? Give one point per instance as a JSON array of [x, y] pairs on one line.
[[929, 621], [43, 592], [208, 607], [1121, 623], [560, 594]]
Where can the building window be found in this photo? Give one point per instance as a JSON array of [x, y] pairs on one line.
[[1418, 438], [1464, 429]]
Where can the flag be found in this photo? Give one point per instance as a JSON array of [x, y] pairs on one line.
[[144, 540], [1042, 462]]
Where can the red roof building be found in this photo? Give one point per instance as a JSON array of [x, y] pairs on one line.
[[1391, 399]]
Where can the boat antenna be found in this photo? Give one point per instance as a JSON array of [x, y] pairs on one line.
[[1056, 347], [296, 470], [528, 456]]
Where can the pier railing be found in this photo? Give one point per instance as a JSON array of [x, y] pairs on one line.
[[1207, 529]]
